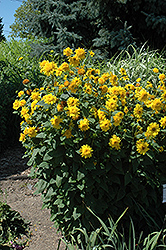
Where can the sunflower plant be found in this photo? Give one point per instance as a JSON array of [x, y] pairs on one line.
[[95, 139]]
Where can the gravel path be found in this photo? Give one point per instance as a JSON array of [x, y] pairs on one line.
[[20, 196]]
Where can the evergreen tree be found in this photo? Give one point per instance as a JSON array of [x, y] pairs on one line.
[[64, 23], [2, 37], [106, 25]]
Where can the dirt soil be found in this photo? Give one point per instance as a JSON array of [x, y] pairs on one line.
[[20, 189]]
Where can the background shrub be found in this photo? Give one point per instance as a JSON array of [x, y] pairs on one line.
[[15, 66], [107, 26]]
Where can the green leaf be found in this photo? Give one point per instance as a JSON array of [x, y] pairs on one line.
[[80, 175], [127, 178], [41, 185], [75, 214], [64, 97], [92, 120], [52, 181], [41, 135], [58, 180], [47, 157], [81, 187], [121, 193], [44, 165], [49, 193]]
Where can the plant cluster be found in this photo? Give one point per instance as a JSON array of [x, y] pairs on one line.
[[95, 139], [109, 237], [15, 65], [12, 226]]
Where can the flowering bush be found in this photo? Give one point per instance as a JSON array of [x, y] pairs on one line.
[[95, 139]]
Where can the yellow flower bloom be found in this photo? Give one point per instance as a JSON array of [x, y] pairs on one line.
[[101, 80], [49, 99], [114, 91], [74, 61], [81, 71], [72, 101], [59, 107], [104, 89], [24, 111], [22, 103], [80, 53], [142, 146], [30, 131], [129, 86], [16, 104], [101, 114], [163, 121], [122, 71], [55, 121], [33, 106], [120, 114], [20, 58], [138, 111], [114, 142], [35, 96], [117, 120], [161, 149], [91, 53], [156, 104], [111, 104], [22, 137], [155, 70], [84, 124], [20, 93], [58, 72], [88, 88], [68, 134], [67, 52], [86, 151], [74, 84], [161, 77], [73, 112], [64, 66], [143, 95], [126, 110], [105, 125], [163, 96], [48, 68], [152, 130], [114, 80], [138, 79]]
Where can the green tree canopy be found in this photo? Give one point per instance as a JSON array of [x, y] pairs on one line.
[[107, 25], [2, 37]]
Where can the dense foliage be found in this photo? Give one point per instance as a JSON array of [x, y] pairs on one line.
[[96, 138], [2, 37], [15, 65], [12, 225], [106, 26]]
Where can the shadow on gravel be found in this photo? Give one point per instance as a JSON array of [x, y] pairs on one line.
[[11, 161]]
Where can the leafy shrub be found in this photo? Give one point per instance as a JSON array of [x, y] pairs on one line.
[[12, 225], [96, 139], [15, 65]]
